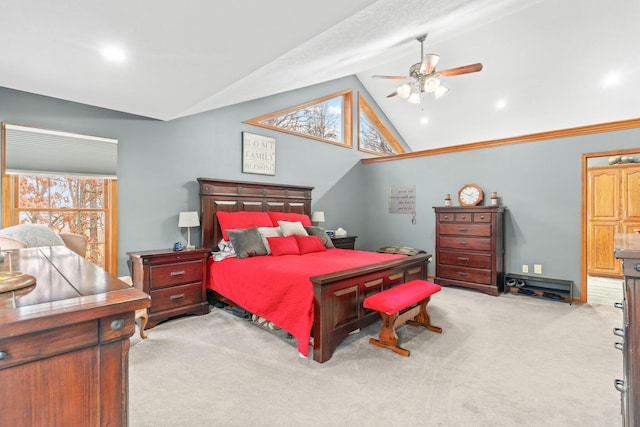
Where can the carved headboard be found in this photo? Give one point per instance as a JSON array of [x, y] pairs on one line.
[[233, 196]]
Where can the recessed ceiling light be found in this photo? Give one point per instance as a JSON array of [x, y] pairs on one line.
[[501, 104], [113, 53], [611, 79], [424, 120]]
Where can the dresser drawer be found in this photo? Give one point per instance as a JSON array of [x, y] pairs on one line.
[[463, 217], [445, 217], [162, 276], [39, 345], [483, 230], [175, 297], [462, 259], [464, 274], [467, 243], [631, 267], [481, 217]]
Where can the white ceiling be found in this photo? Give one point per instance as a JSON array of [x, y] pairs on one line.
[[546, 59]]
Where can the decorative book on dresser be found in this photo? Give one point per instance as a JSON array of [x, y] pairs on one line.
[[628, 250], [470, 247]]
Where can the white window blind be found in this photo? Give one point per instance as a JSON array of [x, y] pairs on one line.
[[39, 151]]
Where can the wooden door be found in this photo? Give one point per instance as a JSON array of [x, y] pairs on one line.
[[613, 206]]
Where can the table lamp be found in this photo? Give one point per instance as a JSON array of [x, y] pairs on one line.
[[188, 219], [317, 217]]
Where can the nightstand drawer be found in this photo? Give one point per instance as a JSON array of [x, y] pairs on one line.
[[175, 297], [162, 276]]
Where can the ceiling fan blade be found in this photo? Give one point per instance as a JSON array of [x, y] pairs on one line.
[[391, 95], [390, 77], [473, 68], [429, 63]]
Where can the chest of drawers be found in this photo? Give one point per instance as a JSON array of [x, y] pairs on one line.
[[176, 282], [470, 247], [628, 341]]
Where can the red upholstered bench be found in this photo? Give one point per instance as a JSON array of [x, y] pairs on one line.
[[398, 305]]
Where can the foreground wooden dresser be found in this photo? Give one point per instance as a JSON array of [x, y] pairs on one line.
[[628, 249], [470, 247], [64, 342]]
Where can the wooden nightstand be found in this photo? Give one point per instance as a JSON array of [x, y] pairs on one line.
[[176, 281], [346, 242]]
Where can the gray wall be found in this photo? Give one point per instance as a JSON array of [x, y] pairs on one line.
[[540, 184], [159, 162]]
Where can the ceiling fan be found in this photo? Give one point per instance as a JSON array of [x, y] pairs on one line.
[[425, 78]]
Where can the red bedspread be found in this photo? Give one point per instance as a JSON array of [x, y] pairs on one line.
[[278, 287]]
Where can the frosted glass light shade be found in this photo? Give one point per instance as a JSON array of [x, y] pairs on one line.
[[404, 91]]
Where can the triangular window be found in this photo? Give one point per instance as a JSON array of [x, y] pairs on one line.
[[326, 119], [373, 136]]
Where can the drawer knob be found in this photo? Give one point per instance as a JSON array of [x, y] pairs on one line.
[[460, 258], [619, 385], [619, 346], [177, 296], [464, 243], [481, 216], [462, 273], [177, 273], [637, 267], [618, 305], [3, 354], [117, 325], [619, 332], [462, 229]]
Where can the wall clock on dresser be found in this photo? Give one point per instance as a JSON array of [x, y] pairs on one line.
[[470, 247]]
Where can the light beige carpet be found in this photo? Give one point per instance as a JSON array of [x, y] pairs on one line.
[[501, 361]]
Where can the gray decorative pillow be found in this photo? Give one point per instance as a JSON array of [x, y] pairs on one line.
[[247, 242], [322, 234]]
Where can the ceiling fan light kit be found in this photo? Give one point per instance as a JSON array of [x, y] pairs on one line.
[[425, 78]]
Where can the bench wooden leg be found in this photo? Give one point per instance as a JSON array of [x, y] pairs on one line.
[[422, 319], [388, 337]]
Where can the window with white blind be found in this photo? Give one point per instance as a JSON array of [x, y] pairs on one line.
[[67, 181]]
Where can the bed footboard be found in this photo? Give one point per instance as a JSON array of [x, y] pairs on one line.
[[338, 299]]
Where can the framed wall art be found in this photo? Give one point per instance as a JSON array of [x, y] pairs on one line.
[[258, 154]]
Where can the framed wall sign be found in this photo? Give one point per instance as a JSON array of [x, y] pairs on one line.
[[258, 154]]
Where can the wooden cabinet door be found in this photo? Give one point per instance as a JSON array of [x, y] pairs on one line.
[[603, 221], [613, 207]]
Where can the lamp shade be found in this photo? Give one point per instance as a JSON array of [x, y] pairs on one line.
[[188, 219], [317, 216]]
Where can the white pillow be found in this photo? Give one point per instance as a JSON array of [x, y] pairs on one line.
[[269, 232], [292, 228]]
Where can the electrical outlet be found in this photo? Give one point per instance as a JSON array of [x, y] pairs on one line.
[[525, 268], [537, 268]]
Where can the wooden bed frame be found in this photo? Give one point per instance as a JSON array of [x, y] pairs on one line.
[[338, 296]]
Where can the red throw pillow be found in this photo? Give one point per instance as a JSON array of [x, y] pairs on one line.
[[242, 219], [283, 245], [308, 244], [289, 217]]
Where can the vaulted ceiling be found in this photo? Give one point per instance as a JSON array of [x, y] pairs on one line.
[[552, 64]]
